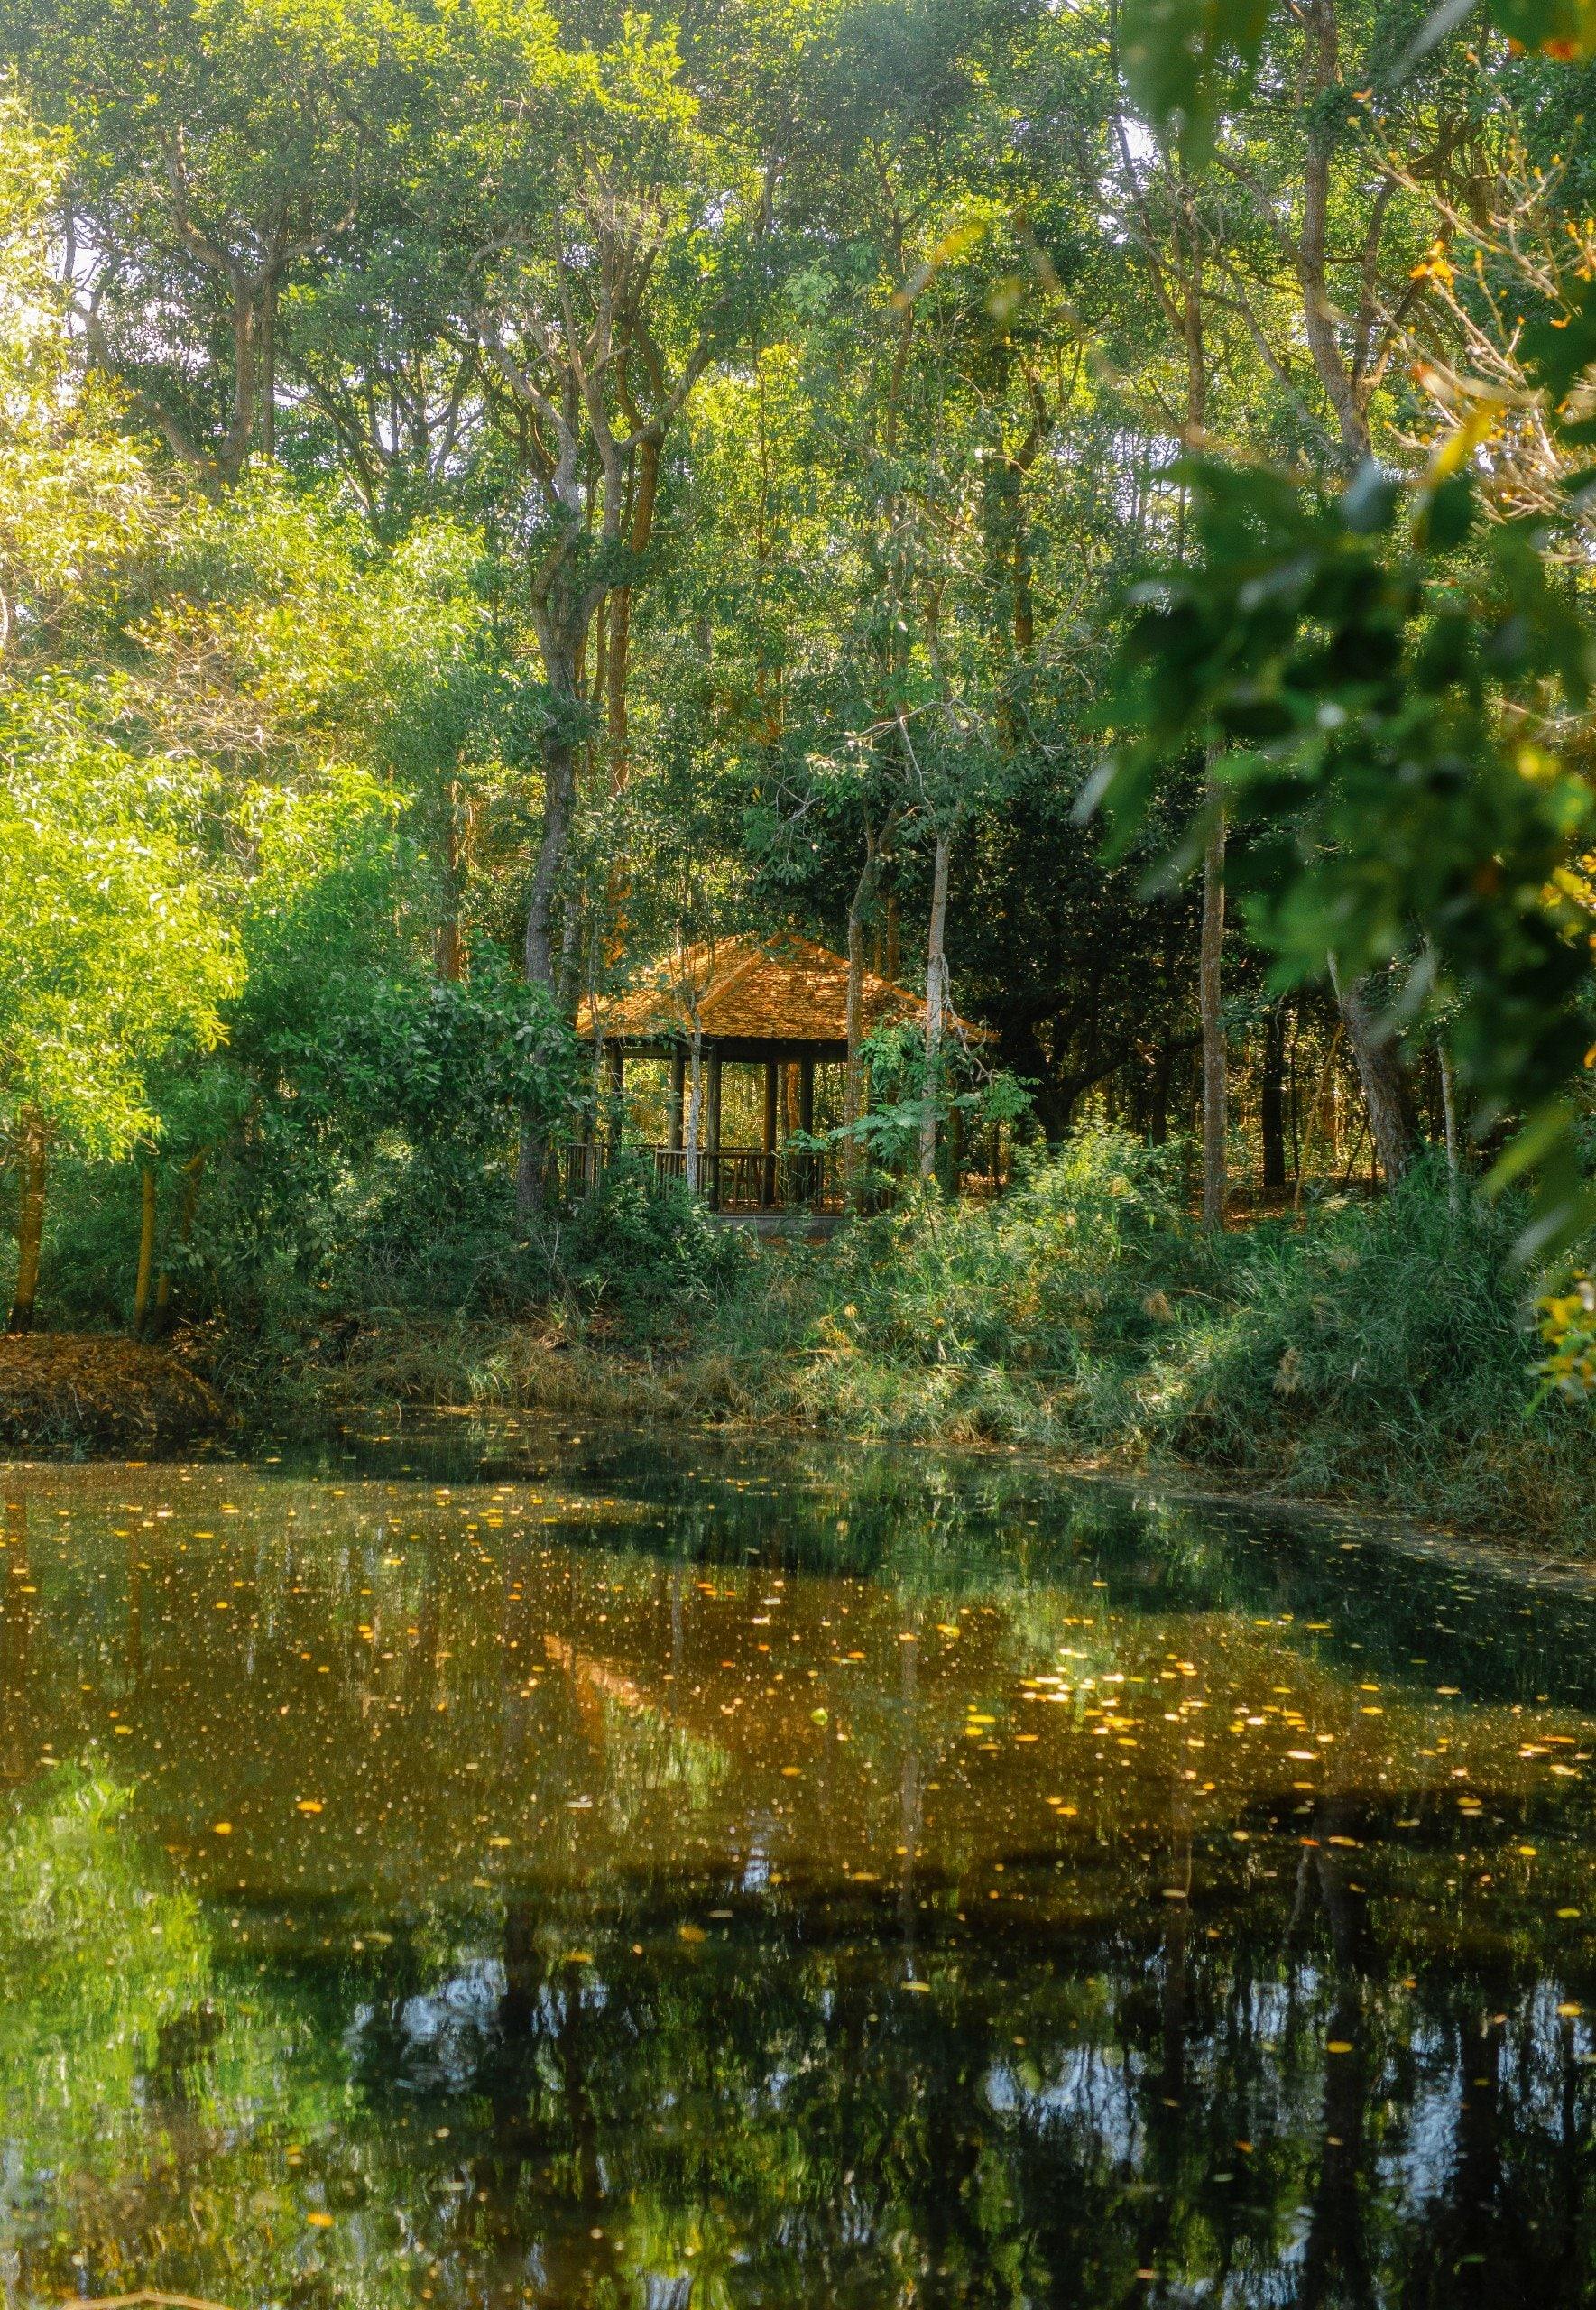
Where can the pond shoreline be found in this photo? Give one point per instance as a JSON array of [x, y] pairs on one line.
[[175, 1408]]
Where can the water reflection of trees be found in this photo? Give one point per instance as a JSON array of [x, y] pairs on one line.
[[518, 2060], [775, 2115]]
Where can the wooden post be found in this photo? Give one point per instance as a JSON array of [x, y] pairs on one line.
[[615, 1069], [678, 1075], [1210, 990], [146, 1267], [810, 1167], [715, 1129], [767, 1175]]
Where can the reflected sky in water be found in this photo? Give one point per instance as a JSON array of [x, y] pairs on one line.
[[666, 1876]]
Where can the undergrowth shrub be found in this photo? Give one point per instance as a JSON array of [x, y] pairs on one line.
[[651, 1252], [1377, 1349]]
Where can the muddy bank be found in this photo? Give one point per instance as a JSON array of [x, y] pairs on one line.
[[78, 1391]]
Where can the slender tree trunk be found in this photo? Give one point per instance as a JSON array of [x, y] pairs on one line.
[[448, 946], [30, 1232], [853, 1089], [1210, 997], [146, 1267], [935, 1006], [1316, 1111], [1454, 1152], [1272, 1099]]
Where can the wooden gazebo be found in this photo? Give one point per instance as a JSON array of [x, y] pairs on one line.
[[780, 1004]]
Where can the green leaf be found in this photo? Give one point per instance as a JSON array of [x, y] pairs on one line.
[[1184, 60], [1557, 347]]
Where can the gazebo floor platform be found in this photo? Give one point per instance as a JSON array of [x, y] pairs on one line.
[[737, 1182]]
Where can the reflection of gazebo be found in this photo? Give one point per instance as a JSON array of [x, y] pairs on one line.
[[778, 1004]]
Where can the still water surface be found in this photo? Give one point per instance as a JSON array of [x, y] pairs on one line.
[[622, 1879]]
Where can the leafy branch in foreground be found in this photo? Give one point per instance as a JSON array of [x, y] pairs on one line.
[[1380, 684], [1186, 61]]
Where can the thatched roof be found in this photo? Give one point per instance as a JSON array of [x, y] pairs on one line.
[[781, 990]]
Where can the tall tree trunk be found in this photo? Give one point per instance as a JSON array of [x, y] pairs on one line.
[[192, 1170], [30, 1232], [269, 368], [146, 1267], [559, 772], [1272, 1098], [1210, 997], [1387, 1096], [1320, 318], [1454, 1152], [620, 622], [854, 1084], [935, 1005]]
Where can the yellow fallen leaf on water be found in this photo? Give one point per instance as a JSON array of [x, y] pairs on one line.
[[1338, 2045], [1528, 1850], [920, 1989], [578, 1956], [222, 1829], [1568, 1912], [499, 1842], [307, 1804], [694, 1933], [792, 1772], [1569, 2012], [319, 2220]]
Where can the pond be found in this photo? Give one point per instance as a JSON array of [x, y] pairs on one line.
[[655, 1877]]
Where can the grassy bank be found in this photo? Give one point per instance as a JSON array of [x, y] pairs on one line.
[[1371, 1353]]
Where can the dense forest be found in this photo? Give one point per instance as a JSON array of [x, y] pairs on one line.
[[1079, 512]]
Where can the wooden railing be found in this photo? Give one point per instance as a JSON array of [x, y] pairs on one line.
[[739, 1178]]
